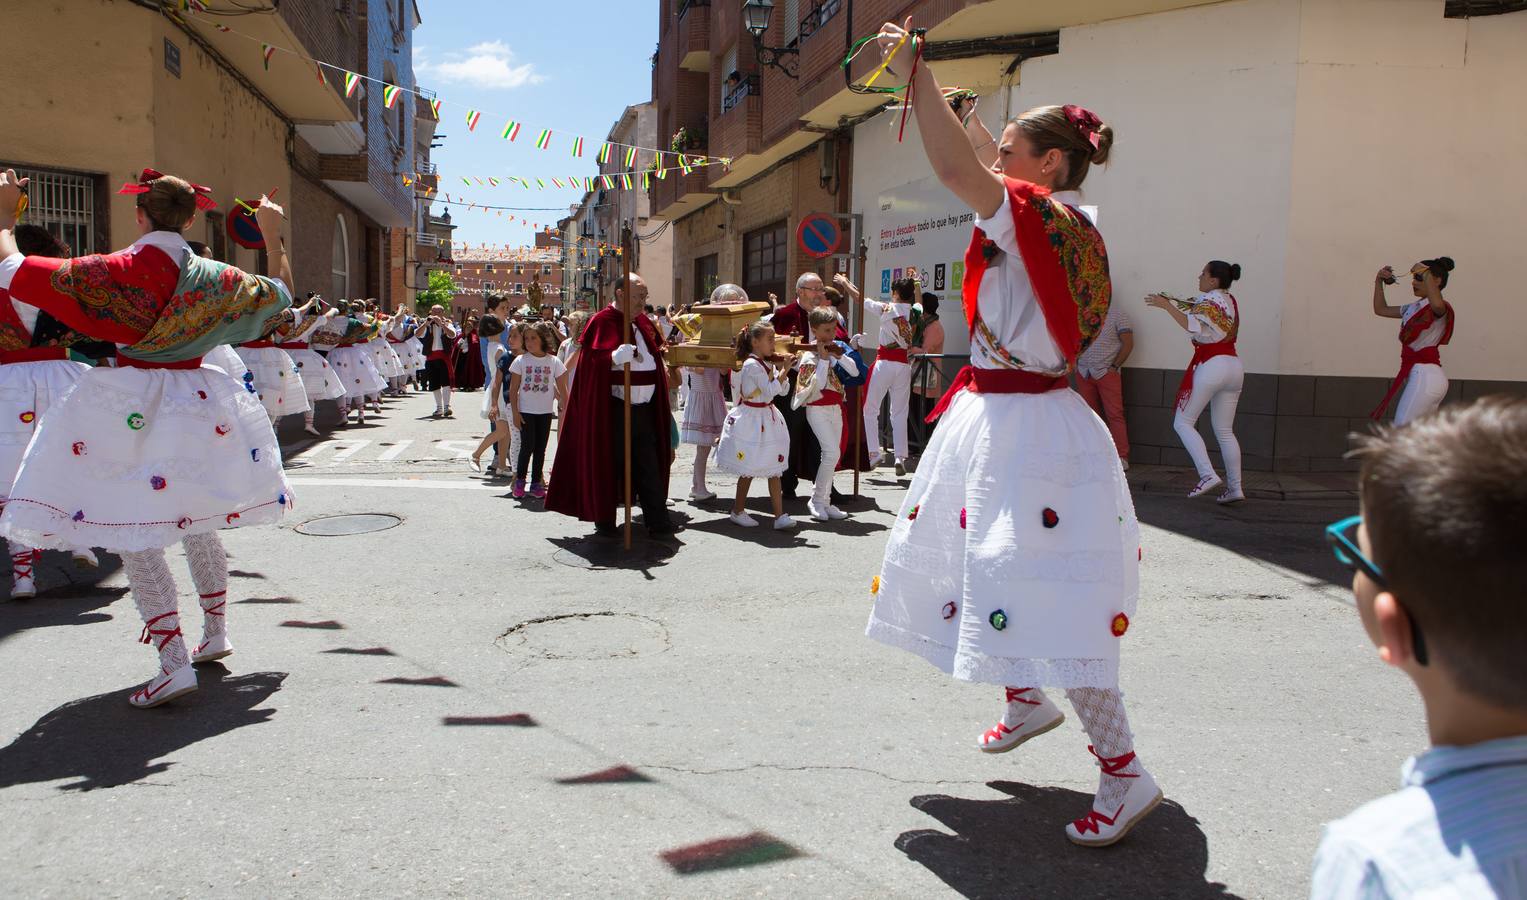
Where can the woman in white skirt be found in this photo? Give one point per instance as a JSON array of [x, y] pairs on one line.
[[1426, 323], [388, 365], [755, 441], [400, 337], [35, 374], [1013, 560], [355, 364], [1213, 378], [274, 375], [161, 449], [704, 406], [319, 381]]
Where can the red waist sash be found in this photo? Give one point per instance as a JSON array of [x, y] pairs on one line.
[[891, 354], [1409, 359], [294, 345], [997, 381], [127, 362], [33, 354], [828, 398], [1202, 353], [258, 345], [756, 405], [439, 354]]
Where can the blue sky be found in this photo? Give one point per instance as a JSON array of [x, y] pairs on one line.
[[570, 66]]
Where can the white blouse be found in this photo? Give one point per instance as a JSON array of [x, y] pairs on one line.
[[1432, 336], [1007, 304], [1216, 304], [757, 383]]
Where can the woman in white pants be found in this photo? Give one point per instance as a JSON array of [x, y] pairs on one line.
[[1426, 324], [892, 374], [1213, 378]]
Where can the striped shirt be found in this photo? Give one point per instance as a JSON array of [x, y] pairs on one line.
[[1456, 829], [1100, 354]]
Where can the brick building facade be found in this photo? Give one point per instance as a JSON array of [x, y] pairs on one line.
[[509, 274]]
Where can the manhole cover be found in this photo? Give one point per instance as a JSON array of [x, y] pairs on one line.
[[611, 554], [336, 526], [600, 635]]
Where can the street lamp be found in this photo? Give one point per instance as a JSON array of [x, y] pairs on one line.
[[755, 17]]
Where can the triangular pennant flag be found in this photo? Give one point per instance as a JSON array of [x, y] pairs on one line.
[[267, 51], [646, 181], [352, 81], [625, 180], [478, 180], [493, 181], [607, 180], [511, 130], [321, 80], [556, 182], [577, 147], [472, 117], [630, 157], [390, 95], [662, 174], [543, 184], [604, 154], [466, 181], [544, 140]]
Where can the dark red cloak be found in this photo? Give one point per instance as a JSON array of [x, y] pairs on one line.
[[584, 484]]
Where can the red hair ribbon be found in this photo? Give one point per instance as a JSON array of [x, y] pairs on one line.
[[1084, 120], [147, 178]]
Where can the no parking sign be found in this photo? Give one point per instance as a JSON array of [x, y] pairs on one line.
[[819, 236]]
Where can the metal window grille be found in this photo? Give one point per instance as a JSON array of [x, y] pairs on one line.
[[821, 11], [746, 87], [64, 204]]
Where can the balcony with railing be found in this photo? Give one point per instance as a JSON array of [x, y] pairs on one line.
[[679, 193], [693, 44], [736, 132], [821, 39]]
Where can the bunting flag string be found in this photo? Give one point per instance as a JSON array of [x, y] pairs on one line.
[[198, 11], [608, 180], [390, 95]]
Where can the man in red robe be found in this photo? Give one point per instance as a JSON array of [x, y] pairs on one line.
[[588, 475]]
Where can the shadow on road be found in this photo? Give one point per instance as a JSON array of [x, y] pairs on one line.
[[68, 595], [1286, 533], [104, 742], [1018, 848]]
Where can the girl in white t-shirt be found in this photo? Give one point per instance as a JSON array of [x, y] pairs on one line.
[[537, 379]]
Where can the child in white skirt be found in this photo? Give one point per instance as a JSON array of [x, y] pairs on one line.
[[704, 413], [755, 442]]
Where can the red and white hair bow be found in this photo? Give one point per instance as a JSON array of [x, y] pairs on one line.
[[146, 181], [1084, 120]]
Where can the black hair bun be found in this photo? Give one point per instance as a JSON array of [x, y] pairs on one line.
[[1235, 271], [1445, 263]]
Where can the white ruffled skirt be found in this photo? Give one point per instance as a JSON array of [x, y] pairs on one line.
[[137, 459], [276, 381], [410, 354], [1015, 557], [223, 357], [356, 369], [388, 365], [27, 391], [319, 380], [755, 442]]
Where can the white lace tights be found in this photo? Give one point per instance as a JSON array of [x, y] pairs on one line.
[[209, 571], [153, 590], [1102, 713]]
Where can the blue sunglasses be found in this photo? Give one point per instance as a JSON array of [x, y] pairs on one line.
[[1342, 536]]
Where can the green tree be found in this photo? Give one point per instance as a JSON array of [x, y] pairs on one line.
[[442, 288]]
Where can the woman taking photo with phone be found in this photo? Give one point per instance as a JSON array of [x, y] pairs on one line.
[[1426, 323]]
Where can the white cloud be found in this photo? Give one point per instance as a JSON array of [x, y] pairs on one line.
[[486, 65]]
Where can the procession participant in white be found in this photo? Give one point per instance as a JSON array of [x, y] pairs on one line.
[[1426, 323], [401, 338], [36, 372], [160, 449], [892, 374], [319, 381], [820, 391], [274, 374], [1013, 560], [705, 406], [388, 364], [755, 441], [1213, 377]]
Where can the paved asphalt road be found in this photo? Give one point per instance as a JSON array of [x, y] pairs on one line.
[[462, 706]]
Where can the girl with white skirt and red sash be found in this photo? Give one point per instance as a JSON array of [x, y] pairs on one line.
[[1213, 378], [1013, 560], [1426, 324], [161, 449]]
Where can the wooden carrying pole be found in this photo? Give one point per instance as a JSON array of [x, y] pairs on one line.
[[625, 309], [853, 310]]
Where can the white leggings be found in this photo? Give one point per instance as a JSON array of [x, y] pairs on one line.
[[894, 378], [1423, 393], [1217, 385]]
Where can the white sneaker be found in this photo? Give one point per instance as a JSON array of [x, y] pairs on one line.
[[783, 523], [835, 513], [85, 559], [743, 519], [1205, 485], [23, 587], [212, 648], [164, 688], [819, 513], [1103, 827], [700, 496], [1042, 718], [1233, 495], [901, 468]]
